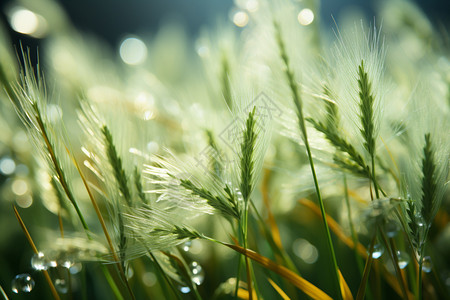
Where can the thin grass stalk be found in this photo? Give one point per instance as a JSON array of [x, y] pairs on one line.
[[122, 181], [246, 183], [429, 200], [392, 252], [367, 268], [238, 275], [352, 227], [35, 250], [182, 266], [112, 283], [164, 275], [419, 276], [247, 261], [59, 172], [298, 103], [337, 230], [420, 270], [273, 245], [3, 293], [241, 257], [401, 216], [103, 225]]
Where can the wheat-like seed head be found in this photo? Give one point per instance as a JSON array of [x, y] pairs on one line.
[[358, 84]]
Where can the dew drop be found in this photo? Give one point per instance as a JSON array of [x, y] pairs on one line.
[[403, 259], [391, 228], [239, 195], [22, 283], [198, 275], [184, 289], [130, 272], [187, 246], [378, 250], [420, 221], [39, 262], [61, 285], [76, 268], [427, 264], [50, 259], [66, 262]]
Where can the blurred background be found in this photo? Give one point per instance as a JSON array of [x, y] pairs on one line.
[[121, 27], [112, 20]]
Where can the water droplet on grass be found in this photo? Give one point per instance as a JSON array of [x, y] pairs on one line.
[[61, 285], [76, 268], [198, 275], [187, 246], [403, 259], [378, 250], [391, 228], [184, 289], [427, 264], [22, 283], [39, 262]]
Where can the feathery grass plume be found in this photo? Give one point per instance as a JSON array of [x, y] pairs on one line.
[[106, 162], [414, 224], [366, 107], [358, 84], [247, 159], [429, 184], [157, 229], [183, 185], [248, 136], [425, 171], [367, 118], [30, 102], [116, 164], [347, 156]]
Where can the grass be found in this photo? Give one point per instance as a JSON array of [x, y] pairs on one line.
[[139, 185]]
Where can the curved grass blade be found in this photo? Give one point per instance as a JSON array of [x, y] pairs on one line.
[[301, 283], [279, 290], [362, 251]]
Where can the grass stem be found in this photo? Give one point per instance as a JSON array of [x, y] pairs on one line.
[[298, 103], [35, 250]]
